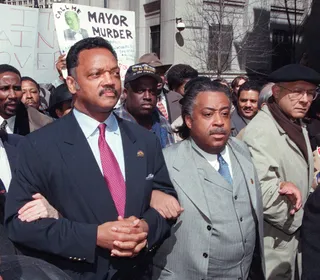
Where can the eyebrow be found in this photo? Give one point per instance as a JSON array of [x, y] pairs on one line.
[[213, 109]]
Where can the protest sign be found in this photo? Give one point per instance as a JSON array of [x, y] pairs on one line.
[[75, 22], [28, 41], [18, 31]]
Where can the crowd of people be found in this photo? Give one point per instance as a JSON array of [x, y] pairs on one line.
[[167, 175]]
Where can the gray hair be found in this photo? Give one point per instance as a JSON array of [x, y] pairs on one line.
[[265, 94]]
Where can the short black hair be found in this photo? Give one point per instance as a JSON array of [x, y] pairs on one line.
[[250, 85], [87, 44], [178, 73], [191, 91], [26, 78], [8, 68]]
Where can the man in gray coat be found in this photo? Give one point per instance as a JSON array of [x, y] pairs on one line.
[[280, 150], [219, 234]]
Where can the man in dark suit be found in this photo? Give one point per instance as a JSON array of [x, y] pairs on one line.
[[310, 231], [8, 154], [98, 171], [14, 116]]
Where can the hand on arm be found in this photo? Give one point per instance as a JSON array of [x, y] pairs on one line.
[[293, 194], [167, 205], [37, 209]]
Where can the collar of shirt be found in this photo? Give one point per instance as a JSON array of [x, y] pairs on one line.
[[89, 126], [213, 158], [10, 126]]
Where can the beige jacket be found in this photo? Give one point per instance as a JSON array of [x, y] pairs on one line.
[[277, 158]]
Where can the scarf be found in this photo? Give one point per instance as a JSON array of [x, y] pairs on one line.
[[292, 129]]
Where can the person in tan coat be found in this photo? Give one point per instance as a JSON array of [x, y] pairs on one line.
[[281, 152]]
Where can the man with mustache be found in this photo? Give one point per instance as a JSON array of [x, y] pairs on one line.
[[247, 106], [14, 116], [140, 105], [98, 171], [280, 149], [219, 234]]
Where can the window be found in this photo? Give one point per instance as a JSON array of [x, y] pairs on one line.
[[281, 46], [220, 47], [155, 39]]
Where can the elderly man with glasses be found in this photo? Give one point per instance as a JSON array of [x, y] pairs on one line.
[[280, 149]]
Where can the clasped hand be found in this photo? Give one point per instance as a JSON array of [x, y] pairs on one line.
[[124, 238]]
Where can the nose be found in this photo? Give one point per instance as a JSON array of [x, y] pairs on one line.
[[147, 94], [12, 93], [248, 104], [28, 95], [305, 98], [217, 120], [107, 79]]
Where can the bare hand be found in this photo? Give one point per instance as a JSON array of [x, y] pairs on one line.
[[129, 248], [61, 64], [37, 209], [123, 230], [165, 204], [293, 194]]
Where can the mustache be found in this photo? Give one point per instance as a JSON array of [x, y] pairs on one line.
[[109, 89], [218, 130]]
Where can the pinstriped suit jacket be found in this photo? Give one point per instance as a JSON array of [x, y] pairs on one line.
[[182, 255]]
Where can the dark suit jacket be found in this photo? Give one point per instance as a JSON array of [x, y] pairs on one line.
[[10, 142], [57, 162], [310, 241], [237, 123], [173, 105], [29, 119]]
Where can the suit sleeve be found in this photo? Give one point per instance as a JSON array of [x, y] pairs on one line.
[[159, 228], [310, 242], [276, 208], [60, 237]]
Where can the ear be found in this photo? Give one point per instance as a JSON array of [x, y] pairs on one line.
[[188, 121], [276, 91], [125, 94], [72, 84]]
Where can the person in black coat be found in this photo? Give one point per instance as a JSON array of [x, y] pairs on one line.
[[310, 237]]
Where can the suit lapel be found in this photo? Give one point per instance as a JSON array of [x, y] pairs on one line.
[[85, 172], [247, 169], [187, 177], [135, 168]]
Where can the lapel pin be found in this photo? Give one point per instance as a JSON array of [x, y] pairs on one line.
[[140, 154]]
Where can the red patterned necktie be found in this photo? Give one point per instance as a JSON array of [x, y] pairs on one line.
[[162, 109], [112, 172]]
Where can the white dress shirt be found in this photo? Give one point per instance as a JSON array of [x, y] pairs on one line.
[[5, 170], [213, 158], [10, 125], [89, 127]]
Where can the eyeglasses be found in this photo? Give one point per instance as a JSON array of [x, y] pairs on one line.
[[298, 93]]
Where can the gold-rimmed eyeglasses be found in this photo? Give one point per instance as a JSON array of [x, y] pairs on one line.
[[298, 93]]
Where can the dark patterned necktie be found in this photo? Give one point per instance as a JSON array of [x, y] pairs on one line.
[[3, 125]]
